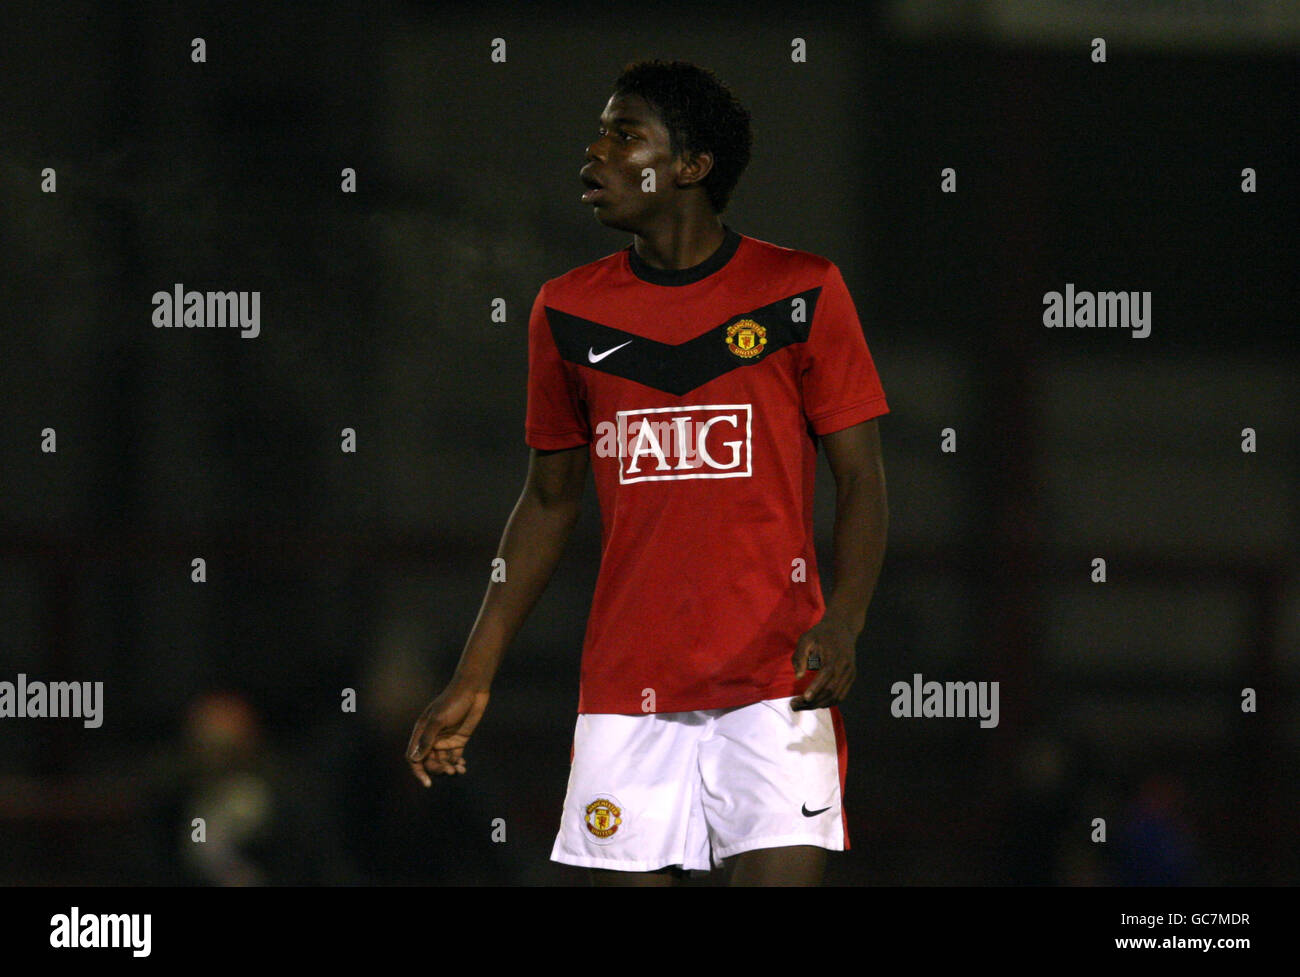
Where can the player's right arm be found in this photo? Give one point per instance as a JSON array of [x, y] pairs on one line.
[[531, 545]]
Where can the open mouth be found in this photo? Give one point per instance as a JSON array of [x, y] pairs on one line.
[[595, 191]]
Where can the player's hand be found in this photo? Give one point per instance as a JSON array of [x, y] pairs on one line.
[[443, 729], [834, 644]]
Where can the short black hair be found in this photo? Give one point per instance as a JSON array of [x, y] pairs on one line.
[[701, 115]]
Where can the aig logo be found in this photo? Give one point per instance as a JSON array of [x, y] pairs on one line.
[[662, 443]]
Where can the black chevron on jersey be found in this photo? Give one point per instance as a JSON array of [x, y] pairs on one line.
[[677, 369]]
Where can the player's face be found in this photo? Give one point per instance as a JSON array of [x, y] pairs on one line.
[[630, 138]]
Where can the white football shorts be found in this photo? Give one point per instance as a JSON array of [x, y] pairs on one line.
[[646, 792]]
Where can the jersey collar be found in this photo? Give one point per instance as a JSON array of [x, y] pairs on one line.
[[685, 276]]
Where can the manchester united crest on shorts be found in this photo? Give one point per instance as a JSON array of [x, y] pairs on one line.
[[603, 815], [746, 338]]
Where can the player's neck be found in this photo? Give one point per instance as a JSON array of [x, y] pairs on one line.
[[684, 243]]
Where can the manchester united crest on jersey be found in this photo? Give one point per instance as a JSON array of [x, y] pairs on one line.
[[603, 816], [746, 338]]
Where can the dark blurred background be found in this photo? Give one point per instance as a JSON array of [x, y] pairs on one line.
[[329, 571]]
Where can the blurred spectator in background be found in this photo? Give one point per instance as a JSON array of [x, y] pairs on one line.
[[1155, 844]]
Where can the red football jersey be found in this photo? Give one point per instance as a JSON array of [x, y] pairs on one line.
[[699, 392]]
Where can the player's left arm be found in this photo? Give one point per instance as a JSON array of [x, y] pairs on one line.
[[861, 524]]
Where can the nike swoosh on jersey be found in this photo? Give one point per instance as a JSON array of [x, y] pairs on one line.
[[594, 357], [812, 814], [679, 369]]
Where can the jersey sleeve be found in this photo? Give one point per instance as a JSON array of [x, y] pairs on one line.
[[839, 380], [555, 416]]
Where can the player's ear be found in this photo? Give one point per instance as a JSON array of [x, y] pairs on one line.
[[695, 167]]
